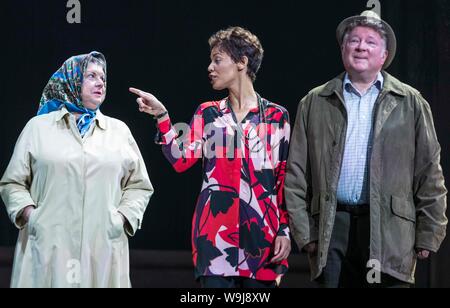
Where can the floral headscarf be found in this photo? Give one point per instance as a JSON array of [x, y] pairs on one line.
[[64, 89]]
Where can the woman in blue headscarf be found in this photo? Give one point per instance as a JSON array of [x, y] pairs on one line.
[[80, 96], [76, 185]]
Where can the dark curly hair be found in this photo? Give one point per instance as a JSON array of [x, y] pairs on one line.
[[238, 43]]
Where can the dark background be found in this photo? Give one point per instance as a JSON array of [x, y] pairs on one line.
[[161, 47]]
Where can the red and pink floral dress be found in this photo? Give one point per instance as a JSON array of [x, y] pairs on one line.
[[241, 208]]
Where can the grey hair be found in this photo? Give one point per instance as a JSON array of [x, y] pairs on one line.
[[99, 62], [95, 58], [369, 23]]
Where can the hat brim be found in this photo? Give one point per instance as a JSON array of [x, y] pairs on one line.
[[391, 39]]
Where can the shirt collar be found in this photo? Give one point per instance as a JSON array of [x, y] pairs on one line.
[[348, 85], [225, 108]]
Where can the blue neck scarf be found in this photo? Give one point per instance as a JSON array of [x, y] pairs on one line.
[[64, 89]]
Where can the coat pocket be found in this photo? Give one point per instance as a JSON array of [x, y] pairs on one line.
[[32, 219], [116, 228], [403, 208], [399, 235]]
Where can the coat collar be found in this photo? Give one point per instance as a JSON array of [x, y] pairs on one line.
[[390, 84], [100, 118]]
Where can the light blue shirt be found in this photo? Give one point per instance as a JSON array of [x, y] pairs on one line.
[[353, 187]]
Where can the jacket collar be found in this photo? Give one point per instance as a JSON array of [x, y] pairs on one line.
[[100, 118], [390, 84]]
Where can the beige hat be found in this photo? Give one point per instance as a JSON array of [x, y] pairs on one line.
[[371, 15]]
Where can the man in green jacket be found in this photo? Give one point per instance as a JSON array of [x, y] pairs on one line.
[[364, 188]]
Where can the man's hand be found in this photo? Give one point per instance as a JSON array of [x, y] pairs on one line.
[[311, 248], [282, 249], [422, 254]]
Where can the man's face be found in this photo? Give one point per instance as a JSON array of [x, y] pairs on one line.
[[363, 51]]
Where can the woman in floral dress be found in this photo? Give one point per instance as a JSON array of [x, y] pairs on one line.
[[240, 233]]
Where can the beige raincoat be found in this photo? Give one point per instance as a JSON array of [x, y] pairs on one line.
[[75, 236]]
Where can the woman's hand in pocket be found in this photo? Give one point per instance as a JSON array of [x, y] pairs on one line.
[[27, 213]]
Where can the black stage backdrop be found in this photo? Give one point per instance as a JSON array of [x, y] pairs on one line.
[[161, 46]]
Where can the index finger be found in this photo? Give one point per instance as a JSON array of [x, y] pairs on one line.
[[137, 91], [276, 258]]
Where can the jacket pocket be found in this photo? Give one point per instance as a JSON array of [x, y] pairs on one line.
[[402, 208], [398, 232], [32, 219], [116, 228]]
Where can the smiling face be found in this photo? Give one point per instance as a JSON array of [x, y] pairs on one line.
[[223, 71], [93, 90], [363, 51]]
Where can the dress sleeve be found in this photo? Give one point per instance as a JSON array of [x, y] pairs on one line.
[[182, 151], [280, 172]]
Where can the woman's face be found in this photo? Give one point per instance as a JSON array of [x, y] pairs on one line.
[[223, 71], [93, 89]]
